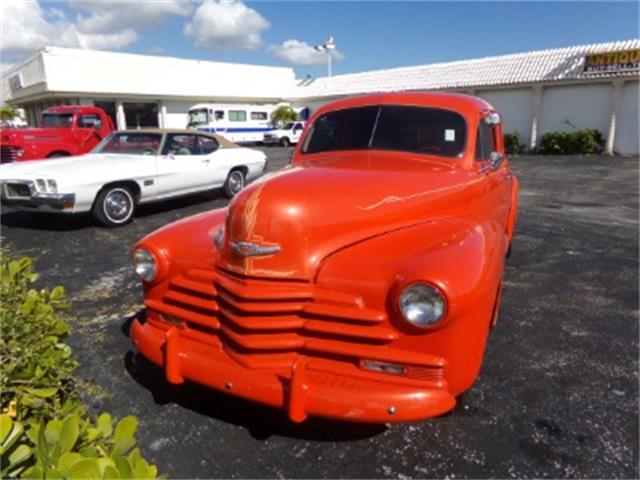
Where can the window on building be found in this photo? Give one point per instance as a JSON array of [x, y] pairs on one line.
[[237, 116], [258, 115]]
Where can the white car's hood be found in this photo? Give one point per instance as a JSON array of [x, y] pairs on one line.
[[76, 167]]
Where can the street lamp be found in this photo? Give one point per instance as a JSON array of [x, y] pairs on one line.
[[327, 47]]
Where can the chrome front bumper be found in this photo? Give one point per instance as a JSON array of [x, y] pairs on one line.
[[24, 194]]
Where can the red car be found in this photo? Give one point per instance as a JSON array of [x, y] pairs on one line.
[[360, 283], [64, 131]]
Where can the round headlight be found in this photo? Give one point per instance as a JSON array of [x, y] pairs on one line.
[[422, 305], [52, 186], [145, 264]]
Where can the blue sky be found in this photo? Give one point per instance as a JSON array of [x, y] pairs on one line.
[[370, 35]]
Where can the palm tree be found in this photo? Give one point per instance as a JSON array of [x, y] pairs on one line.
[[283, 114]]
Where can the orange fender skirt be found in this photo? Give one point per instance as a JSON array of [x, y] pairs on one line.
[[308, 391]]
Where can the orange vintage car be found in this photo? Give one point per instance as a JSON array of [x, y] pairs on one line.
[[359, 283]]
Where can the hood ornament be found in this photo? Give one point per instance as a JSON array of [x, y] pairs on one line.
[[249, 249]]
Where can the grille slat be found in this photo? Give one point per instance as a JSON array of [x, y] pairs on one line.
[[266, 324]]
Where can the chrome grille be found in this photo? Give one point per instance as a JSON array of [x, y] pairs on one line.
[[8, 154], [16, 190]]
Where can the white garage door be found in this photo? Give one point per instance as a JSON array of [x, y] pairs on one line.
[[627, 121], [576, 107], [515, 107]]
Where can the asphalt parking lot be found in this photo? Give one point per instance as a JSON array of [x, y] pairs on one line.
[[557, 395]]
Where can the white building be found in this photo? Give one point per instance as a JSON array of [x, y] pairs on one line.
[[589, 86]]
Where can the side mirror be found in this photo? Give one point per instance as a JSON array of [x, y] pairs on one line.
[[495, 159]]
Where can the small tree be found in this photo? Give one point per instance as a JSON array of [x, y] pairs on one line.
[[7, 112], [283, 114]]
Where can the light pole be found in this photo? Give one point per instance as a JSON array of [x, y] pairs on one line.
[[327, 47]]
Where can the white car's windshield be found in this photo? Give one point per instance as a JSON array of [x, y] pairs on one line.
[[130, 143], [288, 126], [198, 117]]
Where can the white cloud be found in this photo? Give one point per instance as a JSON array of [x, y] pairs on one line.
[[226, 25], [107, 17], [301, 53], [28, 27]]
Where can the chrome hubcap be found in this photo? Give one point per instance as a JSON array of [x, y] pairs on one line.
[[117, 205], [236, 181]]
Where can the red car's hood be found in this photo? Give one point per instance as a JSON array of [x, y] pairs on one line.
[[310, 211]]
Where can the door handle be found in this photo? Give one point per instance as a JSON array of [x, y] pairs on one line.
[[206, 160]]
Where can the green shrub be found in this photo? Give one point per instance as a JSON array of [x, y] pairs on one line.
[[44, 429], [578, 142], [283, 114], [35, 377], [512, 143]]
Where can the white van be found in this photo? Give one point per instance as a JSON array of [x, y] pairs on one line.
[[285, 136], [236, 122]]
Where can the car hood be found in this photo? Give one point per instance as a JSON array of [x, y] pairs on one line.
[[309, 211], [77, 167]]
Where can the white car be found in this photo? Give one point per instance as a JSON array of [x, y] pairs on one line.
[[285, 136], [129, 168]]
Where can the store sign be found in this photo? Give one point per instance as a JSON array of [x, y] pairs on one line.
[[613, 62]]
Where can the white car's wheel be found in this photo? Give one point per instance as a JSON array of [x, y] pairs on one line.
[[234, 183], [114, 206]]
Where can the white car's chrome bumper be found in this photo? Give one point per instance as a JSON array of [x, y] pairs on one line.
[[21, 193]]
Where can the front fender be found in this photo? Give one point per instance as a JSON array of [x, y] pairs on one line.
[[462, 258]]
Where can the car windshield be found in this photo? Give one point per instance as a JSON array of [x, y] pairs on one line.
[[57, 120], [130, 143], [198, 117], [431, 131], [288, 126]]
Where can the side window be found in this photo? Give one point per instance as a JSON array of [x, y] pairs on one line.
[[180, 145], [207, 145], [219, 115], [89, 120], [298, 127], [237, 116], [258, 115], [485, 143]]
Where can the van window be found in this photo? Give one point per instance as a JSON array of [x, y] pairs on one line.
[[219, 115], [258, 115], [237, 116]]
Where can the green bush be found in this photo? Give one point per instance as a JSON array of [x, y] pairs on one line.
[[578, 142], [282, 115], [512, 143], [44, 429]]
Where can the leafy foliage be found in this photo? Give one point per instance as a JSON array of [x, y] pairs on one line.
[[35, 378], [72, 448], [512, 143], [283, 114], [579, 142], [44, 429], [7, 112]]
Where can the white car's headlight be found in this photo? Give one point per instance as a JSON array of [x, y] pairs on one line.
[[52, 186], [41, 186], [422, 305], [145, 264]]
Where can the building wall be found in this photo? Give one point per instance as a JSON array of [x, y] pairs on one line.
[[576, 107], [176, 113], [515, 106], [627, 125]]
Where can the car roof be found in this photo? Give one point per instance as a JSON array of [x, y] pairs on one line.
[[183, 131], [464, 104]]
